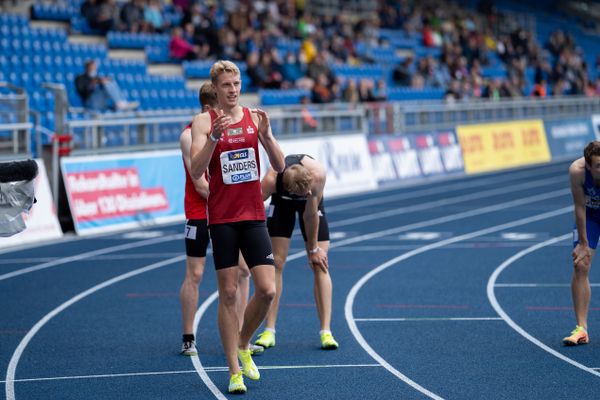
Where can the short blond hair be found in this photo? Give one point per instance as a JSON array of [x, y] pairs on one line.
[[297, 179], [222, 66]]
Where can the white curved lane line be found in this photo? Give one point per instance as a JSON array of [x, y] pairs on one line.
[[89, 254], [349, 314], [14, 360], [200, 370], [494, 302]]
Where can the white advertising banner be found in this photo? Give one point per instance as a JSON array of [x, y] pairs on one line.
[[42, 223], [345, 158]]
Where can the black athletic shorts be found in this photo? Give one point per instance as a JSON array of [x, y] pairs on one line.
[[196, 237], [249, 237], [281, 219]]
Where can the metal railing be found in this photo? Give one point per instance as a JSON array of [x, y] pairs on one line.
[[15, 129], [402, 118]]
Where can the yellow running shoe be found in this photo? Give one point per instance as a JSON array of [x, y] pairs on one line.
[[328, 342], [266, 339], [236, 384], [248, 367], [578, 336]]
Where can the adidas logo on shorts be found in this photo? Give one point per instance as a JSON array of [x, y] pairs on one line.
[[270, 257]]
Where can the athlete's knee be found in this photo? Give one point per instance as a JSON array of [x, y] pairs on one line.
[[194, 276], [228, 295], [265, 292], [279, 262], [582, 268]]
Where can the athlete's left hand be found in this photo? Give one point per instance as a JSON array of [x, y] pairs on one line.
[[319, 260], [263, 121]]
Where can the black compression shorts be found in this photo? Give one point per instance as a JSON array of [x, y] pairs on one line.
[[249, 237], [281, 219], [196, 237]]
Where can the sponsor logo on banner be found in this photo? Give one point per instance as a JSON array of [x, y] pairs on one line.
[[41, 221], [569, 137], [120, 191], [416, 155], [490, 147], [112, 193]]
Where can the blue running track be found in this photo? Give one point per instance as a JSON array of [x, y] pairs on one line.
[[449, 290]]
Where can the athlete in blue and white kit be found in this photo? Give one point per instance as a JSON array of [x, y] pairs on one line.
[[584, 175]]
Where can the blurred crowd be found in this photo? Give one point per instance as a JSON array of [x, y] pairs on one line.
[[467, 43]]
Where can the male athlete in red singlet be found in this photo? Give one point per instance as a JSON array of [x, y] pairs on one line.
[[196, 238], [225, 142]]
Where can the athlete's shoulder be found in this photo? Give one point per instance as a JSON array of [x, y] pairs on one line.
[[577, 169]]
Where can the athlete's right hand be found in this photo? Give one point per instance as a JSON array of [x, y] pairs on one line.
[[581, 253], [319, 260], [220, 124]]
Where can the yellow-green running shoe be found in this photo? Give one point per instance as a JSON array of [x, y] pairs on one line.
[[248, 367], [578, 336], [236, 384], [328, 342], [266, 339], [256, 350]]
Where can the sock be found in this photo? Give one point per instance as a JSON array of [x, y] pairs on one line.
[[188, 338], [270, 330], [324, 331]]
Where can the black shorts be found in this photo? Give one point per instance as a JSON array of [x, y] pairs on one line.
[[249, 237], [196, 237], [281, 219]]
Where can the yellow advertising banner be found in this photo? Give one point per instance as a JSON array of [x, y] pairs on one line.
[[491, 147]]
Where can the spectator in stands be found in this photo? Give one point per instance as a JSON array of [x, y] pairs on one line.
[[321, 92], [154, 15], [132, 16], [102, 15], [255, 70], [539, 89], [365, 90], [291, 69], [318, 66], [100, 93], [272, 67], [180, 49], [380, 90], [350, 94], [402, 74]]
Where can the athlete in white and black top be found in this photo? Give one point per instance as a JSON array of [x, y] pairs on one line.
[[299, 190]]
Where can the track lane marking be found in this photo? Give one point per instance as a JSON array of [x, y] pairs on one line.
[[496, 305]]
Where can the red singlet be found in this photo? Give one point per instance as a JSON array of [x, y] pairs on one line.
[[234, 174], [193, 204]]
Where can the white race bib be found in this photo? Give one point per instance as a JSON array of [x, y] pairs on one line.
[[239, 166]]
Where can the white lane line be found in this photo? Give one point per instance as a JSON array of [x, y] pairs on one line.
[[348, 308], [446, 201], [199, 314], [428, 319], [497, 207], [200, 370], [453, 217], [481, 181], [191, 371], [128, 256], [494, 302], [542, 285], [89, 254], [14, 360]]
